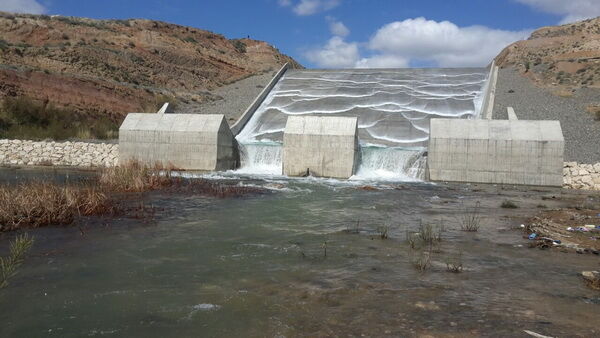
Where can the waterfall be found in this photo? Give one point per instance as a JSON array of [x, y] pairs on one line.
[[376, 162], [393, 107], [391, 163], [262, 158]]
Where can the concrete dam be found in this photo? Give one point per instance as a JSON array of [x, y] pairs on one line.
[[366, 124], [393, 108]]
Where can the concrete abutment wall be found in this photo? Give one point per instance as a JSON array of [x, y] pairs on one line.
[[319, 145], [496, 151], [184, 141]]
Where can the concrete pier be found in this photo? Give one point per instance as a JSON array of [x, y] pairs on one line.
[[320, 145], [496, 151], [184, 141]]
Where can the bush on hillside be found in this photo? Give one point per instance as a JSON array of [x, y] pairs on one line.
[[239, 45], [24, 118]]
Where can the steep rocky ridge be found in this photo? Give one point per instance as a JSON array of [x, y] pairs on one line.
[[562, 56], [111, 67]]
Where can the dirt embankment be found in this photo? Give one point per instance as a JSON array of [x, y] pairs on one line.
[[117, 66], [560, 56]]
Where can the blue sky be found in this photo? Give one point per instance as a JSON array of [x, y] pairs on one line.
[[348, 33]]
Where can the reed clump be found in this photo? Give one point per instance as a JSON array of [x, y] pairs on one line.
[[427, 235], [421, 258], [471, 219], [135, 177], [38, 204]]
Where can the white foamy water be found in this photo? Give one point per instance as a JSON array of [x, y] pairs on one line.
[[390, 163], [393, 109], [263, 158]]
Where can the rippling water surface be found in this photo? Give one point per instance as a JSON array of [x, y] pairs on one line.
[[256, 266]]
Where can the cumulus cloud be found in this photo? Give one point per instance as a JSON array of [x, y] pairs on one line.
[[22, 6], [383, 61], [337, 53], [443, 42], [337, 28], [400, 43], [570, 10], [309, 7]]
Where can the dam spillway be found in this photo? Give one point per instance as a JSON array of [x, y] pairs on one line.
[[393, 107]]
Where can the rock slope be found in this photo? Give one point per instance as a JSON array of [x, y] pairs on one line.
[[560, 56], [117, 66]]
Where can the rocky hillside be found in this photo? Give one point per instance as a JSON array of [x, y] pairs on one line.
[[561, 56], [111, 67]]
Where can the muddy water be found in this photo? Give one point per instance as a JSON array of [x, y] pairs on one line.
[[256, 266]]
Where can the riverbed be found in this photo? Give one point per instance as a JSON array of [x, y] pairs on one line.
[[305, 259]]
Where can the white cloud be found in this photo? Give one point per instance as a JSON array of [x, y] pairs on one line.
[[337, 28], [22, 6], [571, 10], [382, 61], [443, 42], [337, 53], [398, 44], [309, 7]]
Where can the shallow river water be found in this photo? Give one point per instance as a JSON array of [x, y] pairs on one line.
[[256, 266]]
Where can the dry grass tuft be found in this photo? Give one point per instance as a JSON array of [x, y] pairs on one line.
[[135, 177], [37, 204], [594, 109], [421, 258], [471, 219], [563, 93]]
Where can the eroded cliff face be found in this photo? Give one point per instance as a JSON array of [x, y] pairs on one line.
[[560, 56], [113, 67]]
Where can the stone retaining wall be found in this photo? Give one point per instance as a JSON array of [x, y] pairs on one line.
[[79, 154], [85, 154], [581, 176]]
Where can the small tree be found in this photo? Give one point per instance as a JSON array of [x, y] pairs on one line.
[[9, 265]]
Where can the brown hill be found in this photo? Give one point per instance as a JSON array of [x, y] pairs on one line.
[[561, 56], [113, 67]]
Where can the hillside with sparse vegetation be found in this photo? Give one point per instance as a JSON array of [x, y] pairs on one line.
[[566, 56], [64, 77]]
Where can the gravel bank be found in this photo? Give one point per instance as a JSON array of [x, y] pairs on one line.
[[236, 97], [582, 133]]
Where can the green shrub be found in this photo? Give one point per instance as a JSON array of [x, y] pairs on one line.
[[24, 118], [509, 205], [4, 45], [123, 22], [9, 265], [239, 45]]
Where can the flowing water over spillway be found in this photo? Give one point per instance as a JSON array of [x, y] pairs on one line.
[[393, 109]]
